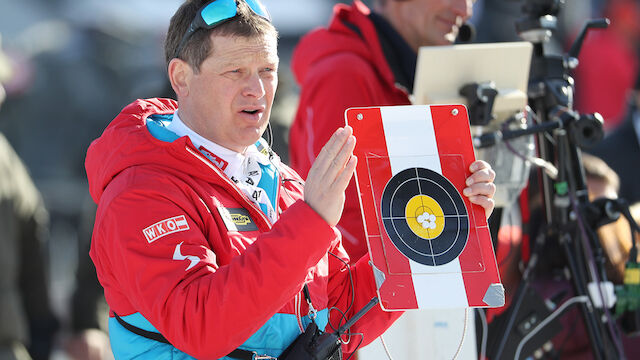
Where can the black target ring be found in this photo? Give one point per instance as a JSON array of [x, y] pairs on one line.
[[424, 216]]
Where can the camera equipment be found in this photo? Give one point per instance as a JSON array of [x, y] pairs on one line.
[[531, 313], [628, 294], [569, 218]]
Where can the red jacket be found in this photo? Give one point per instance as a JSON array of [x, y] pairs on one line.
[[606, 74], [166, 248], [339, 67]]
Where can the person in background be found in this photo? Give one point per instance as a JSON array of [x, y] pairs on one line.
[[603, 182], [609, 63], [27, 323], [364, 58], [620, 149], [88, 338]]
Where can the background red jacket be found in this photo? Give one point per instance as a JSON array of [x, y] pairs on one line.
[[339, 67]]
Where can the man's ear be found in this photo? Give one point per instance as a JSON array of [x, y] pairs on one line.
[[180, 74]]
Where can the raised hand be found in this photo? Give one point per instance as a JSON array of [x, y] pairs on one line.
[[330, 174]]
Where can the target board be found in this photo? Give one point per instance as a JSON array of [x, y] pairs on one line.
[[429, 246]]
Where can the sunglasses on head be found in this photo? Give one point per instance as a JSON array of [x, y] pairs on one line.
[[216, 13]]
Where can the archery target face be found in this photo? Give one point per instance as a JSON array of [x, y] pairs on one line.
[[424, 216]]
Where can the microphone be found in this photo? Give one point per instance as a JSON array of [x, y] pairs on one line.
[[466, 33]]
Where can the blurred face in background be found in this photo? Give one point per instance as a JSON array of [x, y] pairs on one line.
[[427, 22]]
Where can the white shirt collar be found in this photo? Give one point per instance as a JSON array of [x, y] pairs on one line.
[[232, 158]]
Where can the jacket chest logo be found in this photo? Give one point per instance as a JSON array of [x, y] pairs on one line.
[[237, 219]]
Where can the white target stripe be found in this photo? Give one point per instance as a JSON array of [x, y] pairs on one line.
[[411, 217], [411, 142]]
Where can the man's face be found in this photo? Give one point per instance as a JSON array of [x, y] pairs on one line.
[[433, 22], [229, 100]]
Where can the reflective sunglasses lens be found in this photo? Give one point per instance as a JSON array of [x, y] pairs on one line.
[[218, 10], [258, 8]]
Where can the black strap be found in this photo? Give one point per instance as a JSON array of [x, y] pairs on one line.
[[236, 354], [144, 333], [239, 354], [305, 291]]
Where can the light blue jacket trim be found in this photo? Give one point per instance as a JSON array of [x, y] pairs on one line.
[[156, 124], [127, 345], [271, 339], [269, 183]]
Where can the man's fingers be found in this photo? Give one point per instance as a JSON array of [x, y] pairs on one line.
[[330, 150], [330, 175], [479, 165], [483, 188], [483, 175], [480, 187], [343, 178], [487, 203], [338, 163]]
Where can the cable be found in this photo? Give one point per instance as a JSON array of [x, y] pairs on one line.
[[384, 346], [548, 167], [270, 134], [464, 333], [485, 333], [513, 309], [353, 299], [591, 262], [343, 329], [548, 319], [623, 207], [358, 346]]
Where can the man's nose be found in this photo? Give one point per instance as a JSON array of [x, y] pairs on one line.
[[254, 86]]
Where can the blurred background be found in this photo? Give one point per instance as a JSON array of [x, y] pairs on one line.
[[76, 64]]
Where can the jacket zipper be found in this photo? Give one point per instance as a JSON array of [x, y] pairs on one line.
[[231, 184], [298, 305]]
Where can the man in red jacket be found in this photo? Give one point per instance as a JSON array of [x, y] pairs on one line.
[[206, 245], [364, 58]]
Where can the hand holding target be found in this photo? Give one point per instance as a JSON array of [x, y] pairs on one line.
[[480, 187]]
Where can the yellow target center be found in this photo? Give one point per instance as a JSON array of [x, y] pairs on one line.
[[424, 217]]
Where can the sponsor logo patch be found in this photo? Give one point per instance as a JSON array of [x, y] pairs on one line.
[[237, 219], [165, 227]]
